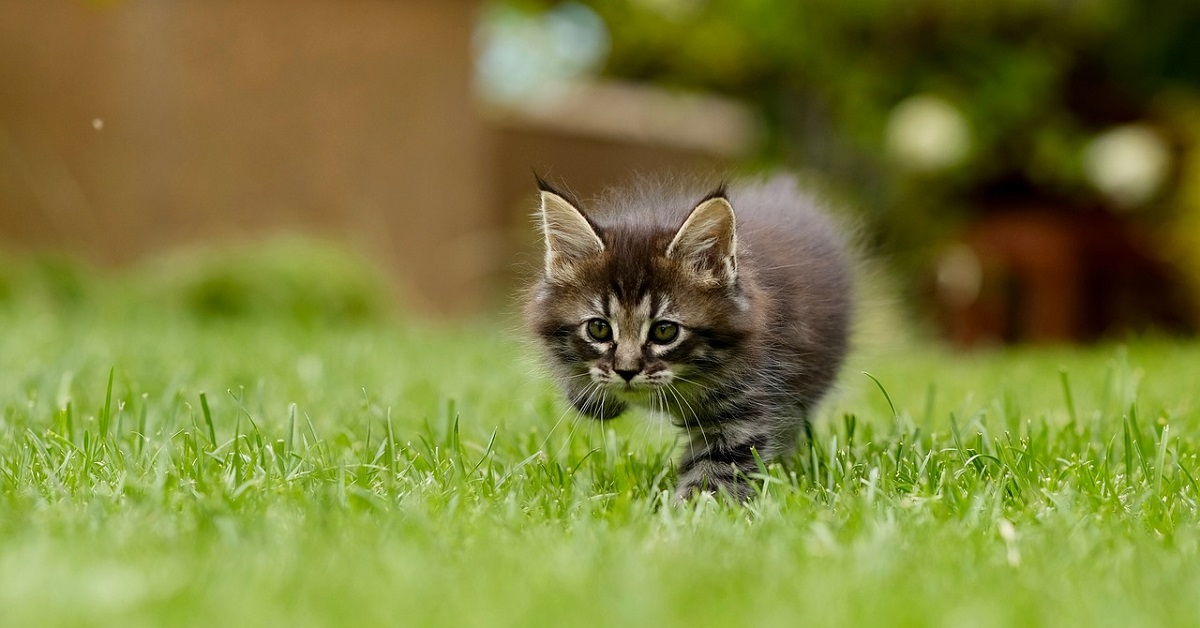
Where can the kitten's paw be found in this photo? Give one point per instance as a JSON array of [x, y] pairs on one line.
[[736, 490]]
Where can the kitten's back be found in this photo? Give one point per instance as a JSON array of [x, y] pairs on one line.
[[798, 256]]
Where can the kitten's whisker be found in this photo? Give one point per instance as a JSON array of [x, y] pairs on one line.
[[693, 382], [683, 402], [781, 267], [561, 416], [662, 400], [587, 396], [567, 440], [593, 390], [687, 429], [566, 446], [691, 411], [588, 390]]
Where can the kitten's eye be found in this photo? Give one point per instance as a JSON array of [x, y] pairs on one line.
[[663, 332], [599, 330]]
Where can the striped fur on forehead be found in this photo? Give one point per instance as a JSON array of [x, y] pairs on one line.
[[633, 270]]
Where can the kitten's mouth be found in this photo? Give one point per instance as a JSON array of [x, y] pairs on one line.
[[627, 392], [620, 384], [631, 391], [635, 386]]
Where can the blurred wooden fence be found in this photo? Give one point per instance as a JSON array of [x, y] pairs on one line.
[[127, 127]]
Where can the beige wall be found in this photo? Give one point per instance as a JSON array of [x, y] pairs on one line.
[[232, 117]]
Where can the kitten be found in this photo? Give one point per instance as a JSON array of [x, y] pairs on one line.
[[728, 310]]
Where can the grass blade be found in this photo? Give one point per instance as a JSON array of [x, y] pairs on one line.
[[208, 420]]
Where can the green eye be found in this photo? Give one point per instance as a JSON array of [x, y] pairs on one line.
[[599, 330], [663, 332]]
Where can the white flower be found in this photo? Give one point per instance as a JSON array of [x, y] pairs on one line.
[[926, 133], [1128, 164]]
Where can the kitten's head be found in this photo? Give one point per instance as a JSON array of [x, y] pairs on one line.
[[643, 298]]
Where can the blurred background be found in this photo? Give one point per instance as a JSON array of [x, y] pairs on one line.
[[1022, 170]]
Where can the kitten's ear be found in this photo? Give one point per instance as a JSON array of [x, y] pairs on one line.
[[569, 236], [708, 239]]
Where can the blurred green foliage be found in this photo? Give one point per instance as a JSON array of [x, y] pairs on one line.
[[304, 281], [301, 279], [1034, 80], [57, 281]]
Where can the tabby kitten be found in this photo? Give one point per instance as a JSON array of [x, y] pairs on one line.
[[728, 311]]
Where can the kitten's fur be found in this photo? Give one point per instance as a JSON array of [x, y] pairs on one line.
[[755, 278]]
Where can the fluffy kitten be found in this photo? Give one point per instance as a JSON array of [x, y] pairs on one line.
[[727, 310]]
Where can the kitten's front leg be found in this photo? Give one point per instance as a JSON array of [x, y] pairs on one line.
[[722, 460]]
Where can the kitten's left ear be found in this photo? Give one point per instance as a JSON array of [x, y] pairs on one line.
[[569, 235], [708, 239]]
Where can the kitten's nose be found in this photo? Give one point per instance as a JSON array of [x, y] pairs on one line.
[[627, 375]]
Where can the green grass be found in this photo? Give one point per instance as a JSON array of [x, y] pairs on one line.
[[211, 444]]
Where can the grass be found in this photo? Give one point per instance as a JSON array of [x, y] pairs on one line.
[[210, 444]]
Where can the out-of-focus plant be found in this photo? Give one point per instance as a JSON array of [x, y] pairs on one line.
[[929, 108]]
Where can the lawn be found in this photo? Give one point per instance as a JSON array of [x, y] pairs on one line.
[[260, 439]]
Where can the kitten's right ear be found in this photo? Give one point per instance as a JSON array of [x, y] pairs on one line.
[[707, 240], [569, 235]]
